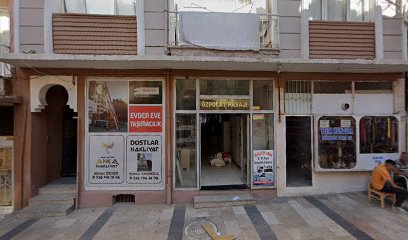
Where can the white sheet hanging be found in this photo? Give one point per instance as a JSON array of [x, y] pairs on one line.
[[223, 31]]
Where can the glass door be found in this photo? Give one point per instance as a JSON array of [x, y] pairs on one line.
[[245, 169]]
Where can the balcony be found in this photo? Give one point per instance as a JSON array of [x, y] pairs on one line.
[[249, 33], [94, 34]]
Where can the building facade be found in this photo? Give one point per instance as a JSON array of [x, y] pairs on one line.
[[166, 100]]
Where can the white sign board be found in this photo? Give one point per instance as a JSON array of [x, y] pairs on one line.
[[144, 160], [106, 159]]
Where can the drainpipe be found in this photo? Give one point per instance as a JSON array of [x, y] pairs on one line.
[[168, 136], [22, 151]]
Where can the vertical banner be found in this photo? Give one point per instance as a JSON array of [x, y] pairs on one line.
[[106, 159], [144, 159], [263, 168]]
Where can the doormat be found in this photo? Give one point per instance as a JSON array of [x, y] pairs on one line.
[[225, 187]]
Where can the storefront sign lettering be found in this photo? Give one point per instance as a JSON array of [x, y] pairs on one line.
[[337, 134], [145, 119], [224, 104]]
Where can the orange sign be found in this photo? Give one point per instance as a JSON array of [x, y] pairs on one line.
[[145, 119]]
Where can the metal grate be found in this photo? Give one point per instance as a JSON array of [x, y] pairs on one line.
[[298, 97], [124, 198]]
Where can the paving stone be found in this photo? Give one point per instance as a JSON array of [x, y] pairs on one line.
[[289, 218]]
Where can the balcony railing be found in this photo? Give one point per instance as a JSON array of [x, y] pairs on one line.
[[268, 31]]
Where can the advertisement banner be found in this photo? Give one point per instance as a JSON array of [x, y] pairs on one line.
[[145, 92], [144, 160], [263, 168], [145, 119], [106, 159]]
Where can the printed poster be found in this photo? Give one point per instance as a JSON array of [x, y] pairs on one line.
[[144, 160], [108, 106], [145, 119], [106, 159], [263, 174]]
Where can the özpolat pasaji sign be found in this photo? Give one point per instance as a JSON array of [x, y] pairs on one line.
[[224, 104]]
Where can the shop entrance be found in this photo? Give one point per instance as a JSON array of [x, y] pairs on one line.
[[298, 151], [224, 151], [61, 134]]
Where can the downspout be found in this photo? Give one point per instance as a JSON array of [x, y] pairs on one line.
[[22, 151], [169, 136]]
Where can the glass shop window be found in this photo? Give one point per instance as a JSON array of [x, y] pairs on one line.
[[224, 87], [263, 95], [262, 126], [378, 135], [373, 87], [108, 7], [337, 142], [186, 164], [326, 87], [6, 162], [185, 94], [6, 121]]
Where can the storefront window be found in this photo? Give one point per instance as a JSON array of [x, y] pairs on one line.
[[186, 94], [186, 167], [263, 95], [337, 142], [325, 87], [262, 125], [5, 176], [224, 87], [373, 87], [378, 135]]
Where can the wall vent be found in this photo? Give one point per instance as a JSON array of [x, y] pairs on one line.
[[124, 198]]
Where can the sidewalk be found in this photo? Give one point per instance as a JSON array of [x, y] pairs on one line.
[[340, 216]]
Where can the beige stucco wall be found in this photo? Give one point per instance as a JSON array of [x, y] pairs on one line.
[[31, 22], [155, 26], [290, 28], [392, 37]]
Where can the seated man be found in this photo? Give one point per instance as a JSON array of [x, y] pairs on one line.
[[383, 182], [401, 169]]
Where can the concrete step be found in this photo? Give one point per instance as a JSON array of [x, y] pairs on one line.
[[52, 199], [40, 211], [223, 200], [58, 189]]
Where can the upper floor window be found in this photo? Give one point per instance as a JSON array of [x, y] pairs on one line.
[[109, 7], [342, 10], [229, 6], [4, 23]]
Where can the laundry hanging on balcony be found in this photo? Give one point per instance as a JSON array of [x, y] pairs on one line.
[[222, 31]]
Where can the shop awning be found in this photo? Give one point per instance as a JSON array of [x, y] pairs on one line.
[[63, 61]]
